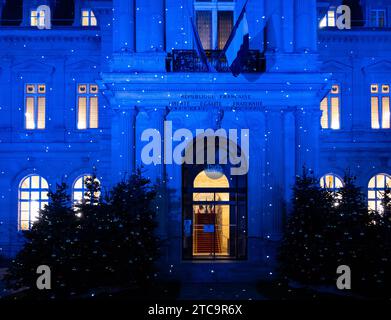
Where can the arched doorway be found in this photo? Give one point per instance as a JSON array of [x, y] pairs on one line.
[[214, 212]]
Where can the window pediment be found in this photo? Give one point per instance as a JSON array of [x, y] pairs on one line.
[[383, 66], [85, 65], [34, 66], [335, 66]]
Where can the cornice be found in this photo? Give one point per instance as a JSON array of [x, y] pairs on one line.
[[71, 34], [117, 81], [356, 35]]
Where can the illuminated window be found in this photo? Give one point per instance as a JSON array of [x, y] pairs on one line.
[[35, 106], [214, 22], [376, 188], [378, 18], [331, 182], [37, 18], [330, 107], [380, 106], [329, 20], [87, 106], [88, 18], [33, 196], [79, 188]]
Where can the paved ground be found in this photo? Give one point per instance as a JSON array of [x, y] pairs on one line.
[[219, 291]]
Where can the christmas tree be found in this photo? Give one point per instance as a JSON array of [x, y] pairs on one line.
[[380, 250], [304, 252], [118, 242], [50, 242], [93, 233], [352, 233], [96, 245], [137, 247]]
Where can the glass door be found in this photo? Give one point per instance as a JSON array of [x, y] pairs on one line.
[[214, 221]]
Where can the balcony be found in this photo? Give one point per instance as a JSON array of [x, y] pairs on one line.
[[189, 61]]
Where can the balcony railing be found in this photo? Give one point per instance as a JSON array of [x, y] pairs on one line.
[[189, 61]]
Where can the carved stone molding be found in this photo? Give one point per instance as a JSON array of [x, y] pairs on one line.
[[383, 66], [362, 35], [35, 35]]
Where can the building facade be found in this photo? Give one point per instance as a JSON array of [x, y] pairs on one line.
[[79, 96]]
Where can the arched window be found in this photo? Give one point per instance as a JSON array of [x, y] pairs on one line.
[[33, 196], [79, 188], [376, 188], [331, 182]]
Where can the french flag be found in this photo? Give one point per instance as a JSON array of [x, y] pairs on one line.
[[237, 47]]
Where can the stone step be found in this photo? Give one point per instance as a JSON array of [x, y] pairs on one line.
[[224, 271]]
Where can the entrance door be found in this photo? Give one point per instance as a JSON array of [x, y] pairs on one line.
[[211, 216], [215, 215]]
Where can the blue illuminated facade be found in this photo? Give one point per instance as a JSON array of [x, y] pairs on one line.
[[77, 97]]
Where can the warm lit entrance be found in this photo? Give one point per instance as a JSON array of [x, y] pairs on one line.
[[211, 219], [214, 212]]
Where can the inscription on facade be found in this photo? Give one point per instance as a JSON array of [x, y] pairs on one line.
[[216, 100]]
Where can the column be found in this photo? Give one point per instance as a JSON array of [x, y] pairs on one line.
[[289, 155], [151, 26], [157, 21], [288, 25], [274, 173], [256, 21], [256, 183], [307, 138], [157, 173], [273, 25], [157, 117], [305, 25], [123, 25], [123, 142]]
